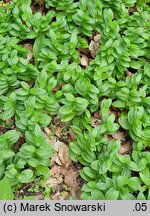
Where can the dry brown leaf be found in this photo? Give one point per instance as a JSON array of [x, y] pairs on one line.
[[92, 48], [132, 9], [30, 49], [129, 74], [29, 56], [40, 1], [53, 182], [58, 161], [71, 179], [66, 195], [47, 131], [125, 148], [63, 196], [54, 141], [49, 139], [55, 159], [56, 196], [95, 122], [58, 87], [97, 38], [97, 115], [57, 145], [40, 197], [63, 153], [57, 170], [119, 136], [72, 134], [94, 45], [84, 60], [78, 194]]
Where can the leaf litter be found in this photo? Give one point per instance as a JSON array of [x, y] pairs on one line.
[[62, 170]]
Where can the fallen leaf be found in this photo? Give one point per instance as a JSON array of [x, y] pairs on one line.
[[56, 196], [97, 115], [58, 87], [71, 179], [58, 161], [84, 60], [40, 197], [129, 74], [97, 38], [57, 170], [54, 141], [61, 196], [72, 135], [30, 49], [53, 182], [125, 148], [55, 159], [47, 131], [95, 122], [94, 45], [66, 195], [119, 136], [63, 153], [78, 194], [132, 9]]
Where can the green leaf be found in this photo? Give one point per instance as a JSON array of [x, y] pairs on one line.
[[43, 153], [67, 117], [105, 104], [145, 179], [95, 165], [42, 170], [75, 148], [108, 16], [33, 162], [69, 97], [86, 196], [37, 91], [73, 156], [26, 176], [135, 64], [134, 183], [127, 196], [2, 169], [38, 45], [66, 109], [30, 198], [142, 164], [25, 86], [73, 39], [84, 176], [97, 195], [112, 194], [12, 136], [119, 104], [147, 69], [89, 172], [123, 121], [148, 197], [6, 192], [141, 196], [7, 154]]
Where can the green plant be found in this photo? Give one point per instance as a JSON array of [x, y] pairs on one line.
[[6, 190], [72, 107], [48, 81]]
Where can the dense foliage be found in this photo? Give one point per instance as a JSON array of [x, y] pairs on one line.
[[28, 99]]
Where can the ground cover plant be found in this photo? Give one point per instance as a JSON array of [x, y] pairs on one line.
[[75, 99]]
